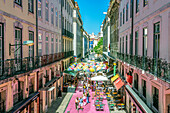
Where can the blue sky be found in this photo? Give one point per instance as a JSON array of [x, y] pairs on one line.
[[92, 14]]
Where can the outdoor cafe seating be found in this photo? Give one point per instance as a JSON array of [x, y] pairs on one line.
[[120, 106]]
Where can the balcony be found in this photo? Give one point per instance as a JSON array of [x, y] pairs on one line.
[[158, 67], [13, 67], [67, 33]]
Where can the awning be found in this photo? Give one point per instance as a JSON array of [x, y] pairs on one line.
[[115, 77], [137, 100], [73, 73], [20, 106], [118, 83], [51, 88]]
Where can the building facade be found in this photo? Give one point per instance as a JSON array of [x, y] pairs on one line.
[[106, 34], [67, 30], [30, 75], [17, 24], [91, 43], [144, 54], [77, 31], [49, 47], [113, 14], [85, 44]]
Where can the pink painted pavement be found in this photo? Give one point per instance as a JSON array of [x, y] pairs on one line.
[[89, 108]]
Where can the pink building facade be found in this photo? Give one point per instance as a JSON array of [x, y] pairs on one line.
[[146, 56]]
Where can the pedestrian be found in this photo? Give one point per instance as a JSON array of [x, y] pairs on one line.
[[84, 99], [81, 103], [84, 88], [88, 95], [76, 103]]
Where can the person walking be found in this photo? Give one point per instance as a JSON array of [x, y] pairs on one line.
[[76, 103], [81, 103], [88, 95], [84, 99]]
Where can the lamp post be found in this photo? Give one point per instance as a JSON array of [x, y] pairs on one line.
[[28, 43]]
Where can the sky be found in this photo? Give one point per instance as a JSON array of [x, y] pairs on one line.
[[92, 14]]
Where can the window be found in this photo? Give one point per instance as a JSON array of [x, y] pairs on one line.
[[19, 2], [120, 45], [131, 11], [136, 81], [127, 7], [59, 19], [52, 15], [145, 3], [39, 9], [121, 19], [31, 6], [123, 15], [31, 48], [123, 45], [65, 4], [56, 46], [17, 54], [46, 46], [137, 6], [46, 11], [40, 44], [136, 43], [155, 97], [56, 18], [52, 45], [144, 88], [156, 40], [126, 43], [131, 44], [145, 37]]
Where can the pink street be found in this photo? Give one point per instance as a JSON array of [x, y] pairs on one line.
[[89, 108]]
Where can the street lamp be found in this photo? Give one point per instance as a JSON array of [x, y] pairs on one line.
[[28, 43]]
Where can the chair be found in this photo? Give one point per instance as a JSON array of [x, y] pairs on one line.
[[97, 107], [111, 107], [101, 108]]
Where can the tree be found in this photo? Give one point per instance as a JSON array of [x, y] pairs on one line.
[[99, 48]]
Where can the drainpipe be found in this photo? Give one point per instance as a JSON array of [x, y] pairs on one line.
[[36, 27], [132, 21], [38, 100]]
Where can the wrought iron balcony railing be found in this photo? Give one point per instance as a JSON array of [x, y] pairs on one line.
[[13, 67], [67, 33], [158, 67]]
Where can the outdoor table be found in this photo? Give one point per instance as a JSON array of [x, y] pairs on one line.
[[120, 106]]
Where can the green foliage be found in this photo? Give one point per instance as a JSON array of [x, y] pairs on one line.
[[99, 48]]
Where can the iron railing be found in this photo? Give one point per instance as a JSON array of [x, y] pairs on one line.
[[67, 33], [158, 67], [13, 67]]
